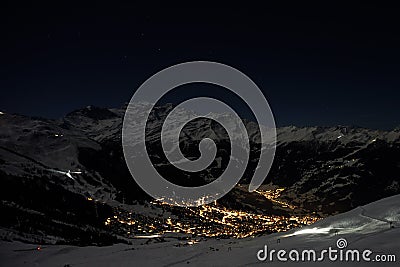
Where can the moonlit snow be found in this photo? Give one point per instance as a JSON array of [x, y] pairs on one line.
[[366, 227]]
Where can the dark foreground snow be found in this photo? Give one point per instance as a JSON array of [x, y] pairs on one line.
[[365, 227]]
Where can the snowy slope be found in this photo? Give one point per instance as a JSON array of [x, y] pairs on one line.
[[363, 228]]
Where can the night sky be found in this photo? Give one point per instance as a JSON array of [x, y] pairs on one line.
[[316, 64]]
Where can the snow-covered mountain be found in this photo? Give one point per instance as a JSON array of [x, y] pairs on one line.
[[337, 168], [324, 169]]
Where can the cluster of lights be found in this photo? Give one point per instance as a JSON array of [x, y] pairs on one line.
[[273, 195], [210, 220]]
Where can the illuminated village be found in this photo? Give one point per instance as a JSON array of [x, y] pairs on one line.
[[212, 220]]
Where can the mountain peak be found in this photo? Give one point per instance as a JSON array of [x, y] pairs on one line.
[[93, 112]]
